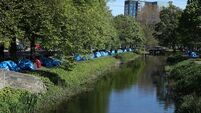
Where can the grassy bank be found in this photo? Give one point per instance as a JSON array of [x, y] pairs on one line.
[[126, 57], [61, 85], [185, 80]]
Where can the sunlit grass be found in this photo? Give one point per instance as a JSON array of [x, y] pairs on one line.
[[61, 84]]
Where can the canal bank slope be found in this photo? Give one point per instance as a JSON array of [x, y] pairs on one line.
[[184, 80], [61, 85]]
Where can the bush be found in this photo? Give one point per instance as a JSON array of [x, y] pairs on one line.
[[186, 85], [16, 101], [176, 59], [187, 77], [190, 104]]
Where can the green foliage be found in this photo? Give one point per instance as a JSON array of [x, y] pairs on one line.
[[190, 104], [166, 29], [16, 101], [60, 83], [180, 28], [9, 19], [186, 86], [190, 24], [151, 41], [85, 25], [65, 25], [129, 30], [176, 59], [91, 26]]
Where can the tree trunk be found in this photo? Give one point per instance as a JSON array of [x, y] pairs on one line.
[[13, 48], [32, 46], [1, 51]]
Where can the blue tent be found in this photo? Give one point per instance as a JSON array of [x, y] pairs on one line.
[[56, 62], [193, 55], [3, 65], [119, 51], [50, 62], [92, 56], [130, 49], [78, 57], [112, 52], [26, 64], [97, 54], [124, 50], [104, 53], [9, 65], [84, 58]]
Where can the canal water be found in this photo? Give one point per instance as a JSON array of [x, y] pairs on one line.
[[136, 87]]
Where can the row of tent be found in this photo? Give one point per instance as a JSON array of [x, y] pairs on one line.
[[101, 53], [28, 65]]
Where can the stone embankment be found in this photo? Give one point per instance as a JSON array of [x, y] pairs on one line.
[[21, 81]]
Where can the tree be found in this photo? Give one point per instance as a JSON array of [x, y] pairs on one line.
[[25, 19], [190, 24], [166, 30], [148, 18], [36, 21], [10, 13], [89, 25], [79, 26], [149, 14], [130, 32]]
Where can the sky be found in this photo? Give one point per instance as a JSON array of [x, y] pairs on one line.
[[117, 6]]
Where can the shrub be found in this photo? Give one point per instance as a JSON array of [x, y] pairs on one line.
[[16, 101], [186, 78], [189, 104], [176, 59]]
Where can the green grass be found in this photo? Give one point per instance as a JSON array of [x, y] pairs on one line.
[[61, 85], [81, 72], [126, 57], [76, 81]]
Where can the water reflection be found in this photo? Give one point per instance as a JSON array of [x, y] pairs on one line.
[[137, 87]]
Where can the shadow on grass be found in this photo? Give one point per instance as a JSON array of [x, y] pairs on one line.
[[53, 77]]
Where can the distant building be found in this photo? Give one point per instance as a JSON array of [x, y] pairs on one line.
[[144, 11], [131, 7], [153, 4]]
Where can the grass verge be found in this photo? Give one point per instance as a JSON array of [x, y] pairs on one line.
[[61, 85]]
